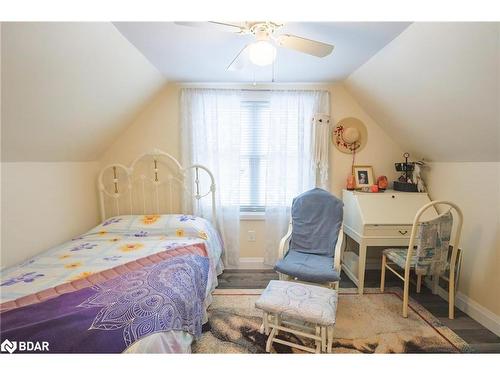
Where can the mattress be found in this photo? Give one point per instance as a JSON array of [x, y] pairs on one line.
[[117, 241]]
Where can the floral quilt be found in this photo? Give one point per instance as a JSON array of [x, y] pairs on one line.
[[112, 315], [116, 241]]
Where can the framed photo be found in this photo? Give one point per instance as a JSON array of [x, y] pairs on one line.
[[363, 175]]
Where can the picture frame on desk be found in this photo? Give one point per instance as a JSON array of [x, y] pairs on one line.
[[363, 175]]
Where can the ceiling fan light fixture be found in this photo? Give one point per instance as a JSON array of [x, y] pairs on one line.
[[262, 53]]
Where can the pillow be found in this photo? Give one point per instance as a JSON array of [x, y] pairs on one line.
[[189, 226], [177, 225]]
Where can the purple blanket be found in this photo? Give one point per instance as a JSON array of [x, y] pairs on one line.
[[109, 317]]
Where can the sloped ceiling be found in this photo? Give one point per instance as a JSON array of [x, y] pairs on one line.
[[435, 90], [68, 89], [200, 54]]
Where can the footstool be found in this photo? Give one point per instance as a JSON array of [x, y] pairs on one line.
[[302, 309]]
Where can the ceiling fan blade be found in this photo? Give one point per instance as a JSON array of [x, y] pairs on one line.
[[240, 61], [219, 26], [311, 47], [232, 27]]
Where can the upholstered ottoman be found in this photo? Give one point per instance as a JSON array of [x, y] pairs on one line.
[[302, 309]]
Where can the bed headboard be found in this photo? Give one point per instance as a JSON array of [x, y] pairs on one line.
[[155, 183]]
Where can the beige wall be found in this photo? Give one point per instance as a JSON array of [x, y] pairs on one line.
[[381, 151], [434, 78], [155, 127], [158, 127], [252, 249], [69, 89], [45, 204], [475, 187]]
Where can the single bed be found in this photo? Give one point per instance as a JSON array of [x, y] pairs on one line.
[[147, 225]]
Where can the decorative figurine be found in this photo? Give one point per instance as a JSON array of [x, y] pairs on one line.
[[417, 176], [351, 182], [405, 181], [382, 182]]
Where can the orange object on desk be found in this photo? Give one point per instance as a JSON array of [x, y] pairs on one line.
[[374, 188], [382, 182], [351, 183]]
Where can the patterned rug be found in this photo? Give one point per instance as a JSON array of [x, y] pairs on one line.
[[371, 323]]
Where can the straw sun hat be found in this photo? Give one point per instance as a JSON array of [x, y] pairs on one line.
[[350, 135]]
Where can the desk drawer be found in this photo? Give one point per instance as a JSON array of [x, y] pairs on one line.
[[402, 231]]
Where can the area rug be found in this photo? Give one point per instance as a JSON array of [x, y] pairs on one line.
[[370, 323]]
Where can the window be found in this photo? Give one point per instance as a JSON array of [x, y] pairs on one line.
[[257, 143], [254, 144]]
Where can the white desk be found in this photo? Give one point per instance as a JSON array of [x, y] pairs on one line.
[[379, 219]]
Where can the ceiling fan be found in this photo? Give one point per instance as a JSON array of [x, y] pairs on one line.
[[262, 51]]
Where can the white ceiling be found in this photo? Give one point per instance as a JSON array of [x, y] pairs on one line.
[[192, 54], [436, 90], [68, 89]]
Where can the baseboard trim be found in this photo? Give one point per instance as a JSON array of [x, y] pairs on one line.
[[476, 311], [251, 263]]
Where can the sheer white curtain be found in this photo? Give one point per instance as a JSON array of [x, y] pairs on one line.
[[210, 121], [290, 166]]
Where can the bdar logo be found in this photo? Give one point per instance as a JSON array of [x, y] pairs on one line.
[[8, 346]]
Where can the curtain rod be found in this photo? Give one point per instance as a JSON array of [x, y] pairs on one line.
[[256, 89], [280, 89]]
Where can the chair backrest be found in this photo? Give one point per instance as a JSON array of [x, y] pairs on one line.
[[316, 221], [433, 244], [433, 239]]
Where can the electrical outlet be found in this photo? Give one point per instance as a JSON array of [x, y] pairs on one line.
[[251, 236]]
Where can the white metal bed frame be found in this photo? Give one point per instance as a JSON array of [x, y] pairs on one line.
[[118, 191]]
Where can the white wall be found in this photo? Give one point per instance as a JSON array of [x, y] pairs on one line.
[[69, 89], [43, 205], [475, 188], [436, 89], [158, 127]]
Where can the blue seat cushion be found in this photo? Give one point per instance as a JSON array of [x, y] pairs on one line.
[[308, 267]]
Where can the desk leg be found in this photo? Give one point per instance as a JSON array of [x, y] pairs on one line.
[[361, 267]]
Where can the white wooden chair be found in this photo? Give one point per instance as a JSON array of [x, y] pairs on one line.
[[430, 258], [323, 215]]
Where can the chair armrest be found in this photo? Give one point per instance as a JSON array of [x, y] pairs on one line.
[[338, 251], [285, 242]]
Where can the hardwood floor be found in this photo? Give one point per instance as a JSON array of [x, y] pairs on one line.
[[478, 337]]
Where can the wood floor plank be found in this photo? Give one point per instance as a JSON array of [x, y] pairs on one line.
[[478, 336], [462, 322], [486, 348]]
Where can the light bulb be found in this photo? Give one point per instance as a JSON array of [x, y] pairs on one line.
[[262, 53]]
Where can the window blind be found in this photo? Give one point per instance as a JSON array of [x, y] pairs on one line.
[[255, 116]]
